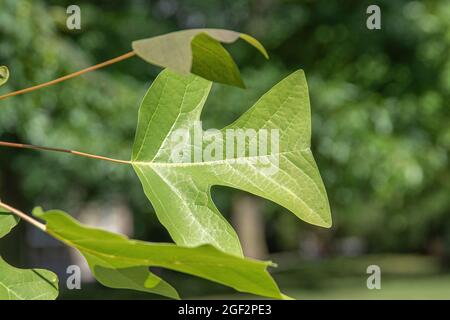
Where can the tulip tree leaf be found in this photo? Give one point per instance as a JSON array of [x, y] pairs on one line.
[[137, 278], [7, 222], [180, 192], [197, 51], [4, 75], [213, 62], [109, 254]]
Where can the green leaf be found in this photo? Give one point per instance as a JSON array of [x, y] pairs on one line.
[[26, 284], [4, 75], [7, 222], [197, 51], [210, 59], [23, 284], [110, 255], [180, 192]]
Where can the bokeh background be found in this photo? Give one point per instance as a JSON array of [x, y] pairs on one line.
[[381, 136]]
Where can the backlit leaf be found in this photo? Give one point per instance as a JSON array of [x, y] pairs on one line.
[[26, 284], [197, 51], [213, 62], [180, 192], [23, 284], [117, 261]]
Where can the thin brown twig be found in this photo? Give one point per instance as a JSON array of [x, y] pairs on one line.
[[23, 216], [70, 76], [77, 153]]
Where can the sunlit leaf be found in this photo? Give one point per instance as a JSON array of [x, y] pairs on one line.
[[26, 284], [197, 51], [213, 62], [180, 192], [119, 262], [23, 284]]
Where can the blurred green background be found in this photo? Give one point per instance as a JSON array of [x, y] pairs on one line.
[[381, 136]]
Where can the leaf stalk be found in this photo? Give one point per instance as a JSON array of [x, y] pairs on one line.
[[23, 216], [74, 152], [70, 76]]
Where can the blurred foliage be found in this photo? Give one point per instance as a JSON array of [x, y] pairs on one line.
[[380, 104]]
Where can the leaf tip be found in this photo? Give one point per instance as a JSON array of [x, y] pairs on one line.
[[38, 212], [255, 43], [286, 297]]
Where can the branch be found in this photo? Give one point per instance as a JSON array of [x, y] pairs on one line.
[[24, 216], [76, 153], [70, 76]]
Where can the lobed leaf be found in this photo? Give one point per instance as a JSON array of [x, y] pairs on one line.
[[180, 192], [197, 51], [117, 261], [26, 284], [23, 284]]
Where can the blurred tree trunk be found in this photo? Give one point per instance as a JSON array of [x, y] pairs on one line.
[[249, 223]]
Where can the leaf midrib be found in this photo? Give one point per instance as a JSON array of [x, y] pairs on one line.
[[204, 163]]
